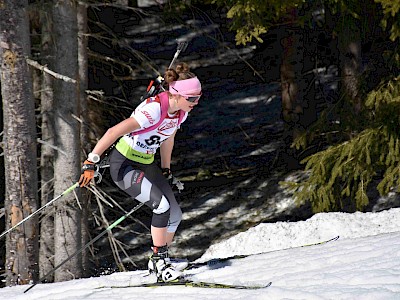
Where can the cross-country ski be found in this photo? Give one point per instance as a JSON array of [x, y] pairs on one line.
[[197, 284]]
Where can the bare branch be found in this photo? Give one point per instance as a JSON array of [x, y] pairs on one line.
[[139, 11], [36, 65], [51, 146], [111, 237], [103, 196]]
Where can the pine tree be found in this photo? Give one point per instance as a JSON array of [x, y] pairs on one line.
[[346, 170]]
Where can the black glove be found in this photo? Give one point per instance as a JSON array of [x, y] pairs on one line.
[[171, 179], [167, 174]]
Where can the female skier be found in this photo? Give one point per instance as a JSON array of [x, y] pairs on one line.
[[132, 164]]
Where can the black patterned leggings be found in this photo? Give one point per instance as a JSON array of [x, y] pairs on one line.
[[146, 184]]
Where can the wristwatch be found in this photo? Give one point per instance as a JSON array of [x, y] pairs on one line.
[[93, 157]]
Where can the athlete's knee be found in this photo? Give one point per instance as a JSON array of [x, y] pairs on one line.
[[162, 207], [161, 213]]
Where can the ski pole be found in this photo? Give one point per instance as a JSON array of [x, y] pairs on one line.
[[71, 188], [109, 228]]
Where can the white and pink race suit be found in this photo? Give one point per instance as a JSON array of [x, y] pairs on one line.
[[133, 169]]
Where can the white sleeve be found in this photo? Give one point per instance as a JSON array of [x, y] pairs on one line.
[[147, 114]]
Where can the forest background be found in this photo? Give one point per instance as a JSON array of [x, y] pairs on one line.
[[299, 97]]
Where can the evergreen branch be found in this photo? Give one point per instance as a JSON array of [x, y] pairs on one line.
[[345, 171]]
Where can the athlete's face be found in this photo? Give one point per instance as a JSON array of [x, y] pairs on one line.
[[188, 102]]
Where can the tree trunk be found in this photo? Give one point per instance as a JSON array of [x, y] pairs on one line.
[[67, 238], [298, 91], [84, 117], [351, 64], [290, 72], [19, 143], [46, 252]]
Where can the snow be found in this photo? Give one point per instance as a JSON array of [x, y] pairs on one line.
[[364, 263]]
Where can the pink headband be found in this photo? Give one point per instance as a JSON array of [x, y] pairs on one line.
[[191, 86]]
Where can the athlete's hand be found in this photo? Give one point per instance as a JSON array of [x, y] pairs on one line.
[[87, 173], [167, 174], [172, 180]]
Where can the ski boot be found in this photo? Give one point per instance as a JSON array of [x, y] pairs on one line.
[[160, 264]]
